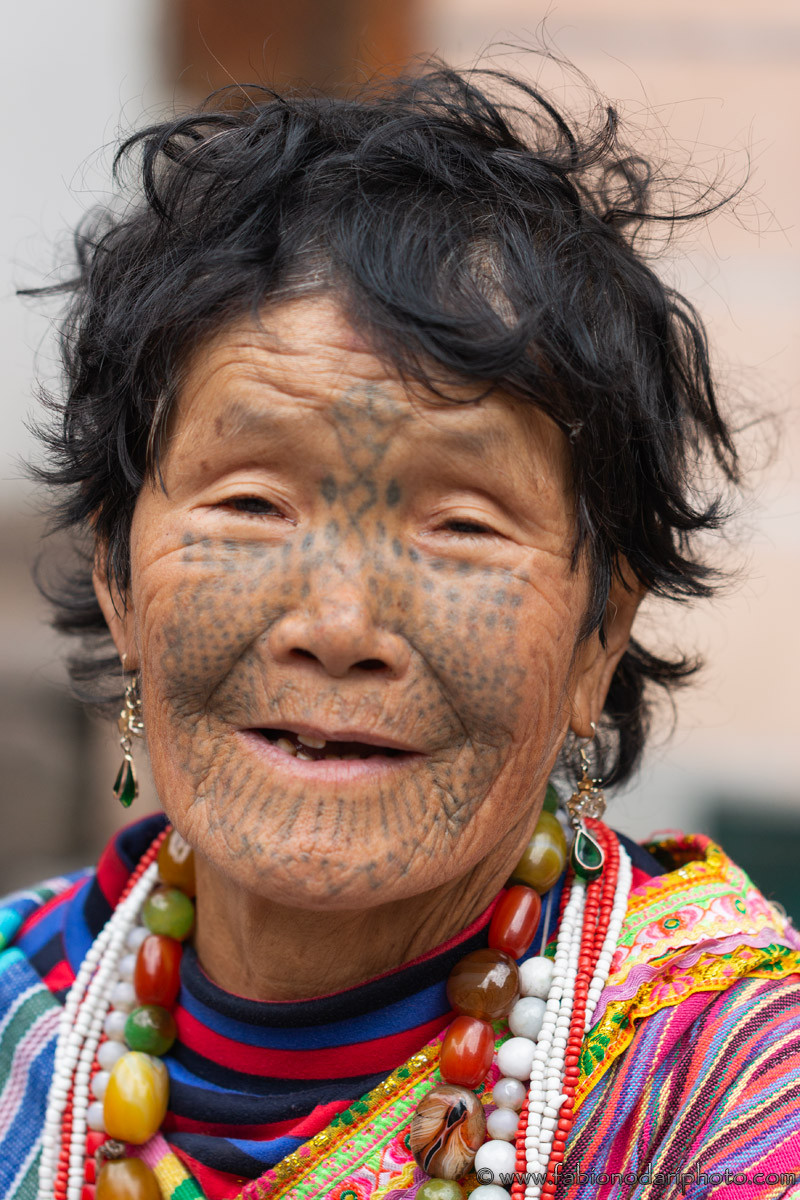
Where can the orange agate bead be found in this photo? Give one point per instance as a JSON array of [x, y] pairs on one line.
[[447, 1131], [467, 1051], [176, 863], [515, 921], [484, 984], [157, 974], [126, 1179]]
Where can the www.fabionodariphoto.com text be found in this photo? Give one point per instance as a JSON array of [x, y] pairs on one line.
[[683, 1179]]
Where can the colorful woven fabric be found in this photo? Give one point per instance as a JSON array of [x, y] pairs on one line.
[[656, 1100], [692, 1065]]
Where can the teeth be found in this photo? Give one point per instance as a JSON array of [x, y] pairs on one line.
[[305, 757], [285, 744], [313, 742]]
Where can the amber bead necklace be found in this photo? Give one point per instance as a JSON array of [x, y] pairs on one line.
[[548, 1003], [110, 1088]]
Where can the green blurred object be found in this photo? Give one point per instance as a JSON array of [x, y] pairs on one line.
[[765, 842]]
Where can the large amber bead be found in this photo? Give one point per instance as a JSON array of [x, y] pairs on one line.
[[135, 1101], [157, 974], [176, 863], [447, 1130], [467, 1052], [515, 920], [484, 984], [126, 1179], [169, 911], [545, 855]]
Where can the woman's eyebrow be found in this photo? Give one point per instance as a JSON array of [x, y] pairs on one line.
[[243, 420]]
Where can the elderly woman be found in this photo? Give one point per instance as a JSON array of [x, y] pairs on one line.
[[377, 429]]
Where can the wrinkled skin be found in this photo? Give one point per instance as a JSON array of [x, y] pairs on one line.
[[329, 552]]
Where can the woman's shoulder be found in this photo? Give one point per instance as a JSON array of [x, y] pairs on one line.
[[32, 923]]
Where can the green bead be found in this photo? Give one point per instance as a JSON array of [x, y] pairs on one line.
[[169, 911], [440, 1189], [150, 1029], [586, 858], [125, 787], [551, 800]]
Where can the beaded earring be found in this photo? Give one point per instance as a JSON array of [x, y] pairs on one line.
[[130, 725], [586, 857]]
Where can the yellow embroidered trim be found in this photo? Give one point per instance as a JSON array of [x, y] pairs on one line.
[[297, 1166], [692, 885]]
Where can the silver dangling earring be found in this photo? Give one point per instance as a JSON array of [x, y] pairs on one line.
[[587, 857], [130, 725]]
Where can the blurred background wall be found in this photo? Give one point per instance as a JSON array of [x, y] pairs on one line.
[[721, 78]]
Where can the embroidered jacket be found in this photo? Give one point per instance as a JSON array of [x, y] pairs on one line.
[[690, 1074]]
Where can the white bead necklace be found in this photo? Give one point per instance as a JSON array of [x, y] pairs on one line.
[[535, 1055], [539, 1057], [79, 1033]]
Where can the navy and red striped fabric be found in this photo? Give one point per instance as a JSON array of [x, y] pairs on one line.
[[251, 1081]]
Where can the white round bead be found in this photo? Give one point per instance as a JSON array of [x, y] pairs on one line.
[[114, 1025], [509, 1093], [94, 1117], [127, 965], [535, 976], [515, 1057], [502, 1124], [123, 997], [135, 938], [497, 1156], [99, 1084], [108, 1053], [525, 1018], [489, 1191]]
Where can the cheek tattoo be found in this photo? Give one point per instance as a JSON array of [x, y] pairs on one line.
[[458, 699]]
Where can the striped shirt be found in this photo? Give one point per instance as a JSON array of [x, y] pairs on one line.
[[249, 1081]]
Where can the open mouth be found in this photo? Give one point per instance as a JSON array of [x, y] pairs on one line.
[[313, 749]]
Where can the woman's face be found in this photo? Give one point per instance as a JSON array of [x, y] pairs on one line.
[[331, 560]]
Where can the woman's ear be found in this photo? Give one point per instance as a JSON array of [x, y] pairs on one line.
[[596, 663], [116, 610]]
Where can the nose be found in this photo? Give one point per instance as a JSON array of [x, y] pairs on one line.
[[338, 631]]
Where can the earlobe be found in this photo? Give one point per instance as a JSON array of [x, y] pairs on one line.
[[598, 661], [117, 612]]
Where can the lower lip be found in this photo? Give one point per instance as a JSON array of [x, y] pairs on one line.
[[327, 770]]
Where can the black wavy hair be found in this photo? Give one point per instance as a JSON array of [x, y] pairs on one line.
[[469, 237]]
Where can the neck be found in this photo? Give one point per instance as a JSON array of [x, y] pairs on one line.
[[266, 951]]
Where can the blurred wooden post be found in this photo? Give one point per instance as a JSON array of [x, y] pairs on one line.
[[325, 45]]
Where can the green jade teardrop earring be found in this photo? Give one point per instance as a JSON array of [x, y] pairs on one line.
[[586, 856], [130, 725]]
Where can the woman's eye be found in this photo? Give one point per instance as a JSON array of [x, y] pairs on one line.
[[464, 525], [257, 506]]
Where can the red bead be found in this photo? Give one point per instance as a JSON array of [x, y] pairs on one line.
[[89, 1170], [467, 1052], [94, 1141], [157, 975], [515, 920], [87, 1192]]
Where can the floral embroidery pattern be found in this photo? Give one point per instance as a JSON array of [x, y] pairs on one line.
[[672, 944]]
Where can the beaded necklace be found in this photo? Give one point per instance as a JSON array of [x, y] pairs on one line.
[[109, 1094]]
